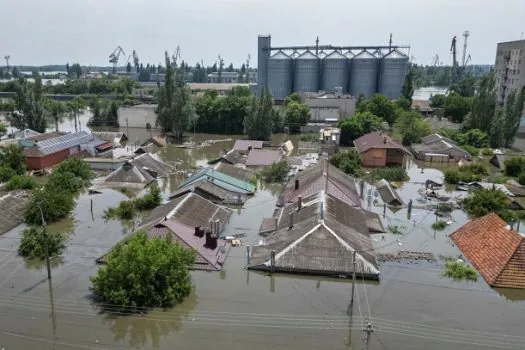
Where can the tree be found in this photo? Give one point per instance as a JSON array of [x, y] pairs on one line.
[[75, 70], [473, 137], [407, 90], [456, 106], [75, 106], [465, 87], [144, 273], [175, 106], [360, 105], [411, 127], [56, 111], [403, 103], [437, 101], [484, 105], [347, 161], [277, 172], [485, 201], [230, 68], [512, 116], [3, 128], [34, 241], [55, 205], [104, 113], [128, 68], [381, 106], [514, 166], [29, 102], [12, 157], [297, 113], [257, 124], [294, 97], [360, 124]]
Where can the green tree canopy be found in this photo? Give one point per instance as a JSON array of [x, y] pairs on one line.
[[473, 137], [12, 157], [457, 107], [485, 201], [258, 121], [407, 90], [437, 101], [412, 127], [33, 243], [144, 273], [29, 103], [381, 106], [347, 161], [357, 126], [297, 115]]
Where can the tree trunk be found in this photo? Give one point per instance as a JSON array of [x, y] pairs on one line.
[[56, 123], [76, 125]]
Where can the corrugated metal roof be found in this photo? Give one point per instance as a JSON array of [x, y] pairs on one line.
[[63, 142], [222, 180]]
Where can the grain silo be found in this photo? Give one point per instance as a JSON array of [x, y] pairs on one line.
[[392, 73], [306, 73], [334, 72], [363, 74], [280, 75]]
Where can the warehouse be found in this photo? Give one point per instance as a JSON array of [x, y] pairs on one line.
[[352, 70]]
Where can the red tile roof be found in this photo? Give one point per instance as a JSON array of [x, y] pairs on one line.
[[496, 252], [377, 140]]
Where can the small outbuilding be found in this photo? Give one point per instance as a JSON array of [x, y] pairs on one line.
[[388, 193], [379, 150]]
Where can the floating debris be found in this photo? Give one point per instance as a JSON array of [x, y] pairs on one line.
[[406, 255]]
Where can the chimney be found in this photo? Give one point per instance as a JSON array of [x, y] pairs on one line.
[[211, 240], [384, 139], [217, 227], [299, 203], [249, 148], [290, 216], [199, 231], [296, 184]]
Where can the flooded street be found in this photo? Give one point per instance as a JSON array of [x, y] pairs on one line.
[[412, 306]]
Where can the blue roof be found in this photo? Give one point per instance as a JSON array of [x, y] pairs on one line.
[[222, 180]]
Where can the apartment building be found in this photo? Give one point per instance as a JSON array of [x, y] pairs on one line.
[[509, 68]]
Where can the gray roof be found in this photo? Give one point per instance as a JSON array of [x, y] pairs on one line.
[[438, 147], [258, 157], [211, 191], [63, 142], [141, 170], [12, 207], [111, 136], [436, 137], [324, 235], [388, 193], [244, 145], [233, 171]]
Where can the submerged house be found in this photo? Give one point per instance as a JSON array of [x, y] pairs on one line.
[[318, 234], [247, 145], [137, 172], [117, 138], [437, 148], [216, 187], [196, 223], [496, 251], [232, 157], [378, 150], [263, 157], [235, 171], [388, 193]]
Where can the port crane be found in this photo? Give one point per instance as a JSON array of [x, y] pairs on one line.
[[220, 68], [7, 58], [136, 61], [248, 69], [176, 55], [113, 58]]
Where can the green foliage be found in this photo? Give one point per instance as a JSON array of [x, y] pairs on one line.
[[458, 271], [485, 201], [478, 169], [444, 209], [29, 103], [403, 103], [392, 174], [77, 167], [465, 87], [6, 173], [21, 182], [471, 149], [512, 113], [412, 127], [257, 124], [439, 225], [55, 205], [104, 113], [407, 90], [498, 179], [347, 161], [3, 128], [293, 98], [55, 110], [124, 211], [514, 166], [360, 124], [473, 137], [12, 157], [144, 273], [486, 152], [297, 115], [394, 229], [33, 243], [150, 200], [437, 101], [64, 182], [309, 137], [175, 106], [456, 107], [457, 176], [381, 106], [7, 105], [521, 178], [277, 172]]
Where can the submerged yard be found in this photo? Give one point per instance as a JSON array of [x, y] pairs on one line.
[[413, 306]]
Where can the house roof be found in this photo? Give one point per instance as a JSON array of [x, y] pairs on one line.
[[212, 191], [158, 141], [325, 232], [388, 193], [26, 133], [377, 139], [225, 181], [497, 252], [436, 138], [244, 145], [12, 206], [437, 147], [57, 144], [46, 136], [191, 210], [232, 157], [141, 170], [236, 172], [258, 157], [111, 136], [322, 177], [207, 258]]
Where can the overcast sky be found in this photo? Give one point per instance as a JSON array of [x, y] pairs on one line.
[[87, 31]]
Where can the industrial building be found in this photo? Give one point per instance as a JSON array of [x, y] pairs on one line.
[[509, 68], [350, 69]]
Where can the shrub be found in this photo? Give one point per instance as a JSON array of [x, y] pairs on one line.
[[521, 179], [75, 166], [499, 179], [486, 152], [55, 206], [21, 182], [6, 173], [514, 166], [144, 273], [439, 225], [455, 176], [64, 182], [124, 211], [485, 201], [33, 243], [348, 161], [471, 149], [395, 229], [392, 174], [475, 169], [150, 201], [460, 271], [444, 208], [310, 137], [277, 172]]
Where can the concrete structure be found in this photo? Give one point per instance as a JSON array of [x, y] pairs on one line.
[[231, 77], [379, 150], [139, 116], [509, 68], [329, 108]]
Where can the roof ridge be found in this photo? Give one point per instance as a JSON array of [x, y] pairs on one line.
[[522, 241]]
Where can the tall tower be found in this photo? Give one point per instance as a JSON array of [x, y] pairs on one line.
[[263, 53]]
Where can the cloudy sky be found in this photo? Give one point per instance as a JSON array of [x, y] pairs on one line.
[[87, 31]]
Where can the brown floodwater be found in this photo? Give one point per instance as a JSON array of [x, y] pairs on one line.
[[412, 307]]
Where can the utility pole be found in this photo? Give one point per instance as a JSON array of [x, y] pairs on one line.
[[368, 329], [354, 261], [47, 241]]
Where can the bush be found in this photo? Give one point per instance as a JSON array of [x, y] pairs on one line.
[[75, 166], [349, 162], [392, 174], [470, 149], [13, 157], [21, 182], [485, 201], [309, 137], [144, 273], [395, 229], [33, 243], [455, 176], [6, 173], [444, 208], [486, 152], [65, 182], [277, 172], [150, 201], [514, 166], [124, 211], [460, 271], [439, 225], [478, 169], [55, 206], [521, 179]]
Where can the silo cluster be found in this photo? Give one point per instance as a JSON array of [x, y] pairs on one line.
[[366, 71]]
